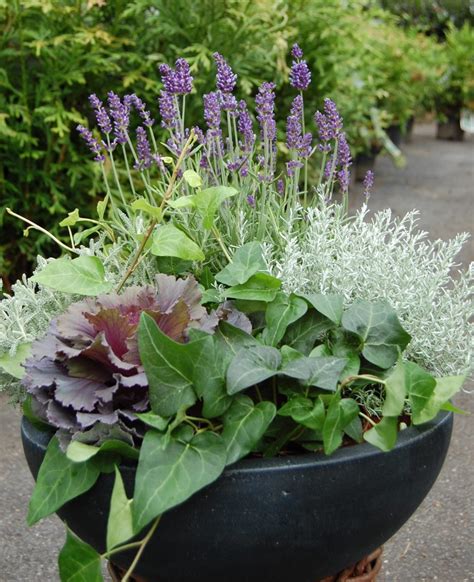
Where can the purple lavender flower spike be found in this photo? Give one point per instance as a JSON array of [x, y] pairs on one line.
[[344, 158], [292, 166], [143, 150], [101, 115], [305, 145], [135, 101], [198, 132], [229, 103], [245, 127], [300, 75], [265, 104], [368, 183], [91, 142], [324, 131], [168, 110], [328, 168], [293, 131], [120, 113], [212, 112], [280, 186], [334, 120], [226, 78], [296, 51], [251, 200], [343, 177], [167, 78], [293, 124], [183, 81]]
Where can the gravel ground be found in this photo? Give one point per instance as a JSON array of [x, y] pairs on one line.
[[436, 544]]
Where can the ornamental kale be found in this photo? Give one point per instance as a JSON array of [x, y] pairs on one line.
[[87, 370]]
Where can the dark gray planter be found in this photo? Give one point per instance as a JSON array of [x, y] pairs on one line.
[[296, 518], [449, 126]]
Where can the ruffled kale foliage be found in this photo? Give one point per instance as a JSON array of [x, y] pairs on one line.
[[86, 372]]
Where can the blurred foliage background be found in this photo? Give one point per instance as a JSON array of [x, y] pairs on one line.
[[381, 61]]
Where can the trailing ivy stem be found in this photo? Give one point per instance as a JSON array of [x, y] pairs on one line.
[[154, 222], [124, 548], [351, 379], [143, 544], [199, 419], [43, 230], [367, 418]]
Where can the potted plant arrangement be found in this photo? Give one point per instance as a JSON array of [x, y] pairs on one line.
[[226, 374]]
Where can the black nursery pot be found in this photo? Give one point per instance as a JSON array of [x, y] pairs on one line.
[[294, 518], [450, 128], [365, 161], [395, 134]]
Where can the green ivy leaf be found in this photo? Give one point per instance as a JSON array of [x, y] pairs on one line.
[[59, 480], [384, 434], [244, 425], [378, 326], [303, 334], [71, 218], [247, 260], [329, 305], [395, 391], [288, 355], [79, 452], [153, 420], [304, 411], [145, 206], [207, 202], [101, 206], [322, 372], [444, 389], [420, 386], [192, 178], [169, 241], [209, 376], [251, 366], [81, 276], [119, 524], [169, 367], [79, 562], [13, 364], [232, 339], [182, 202], [82, 234], [281, 312], [169, 472], [354, 430], [260, 287], [341, 413]]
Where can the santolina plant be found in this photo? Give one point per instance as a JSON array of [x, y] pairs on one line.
[[198, 327]]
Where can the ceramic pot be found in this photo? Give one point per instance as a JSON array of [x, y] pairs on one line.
[[290, 518]]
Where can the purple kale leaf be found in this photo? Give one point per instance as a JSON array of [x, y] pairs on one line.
[[86, 372]]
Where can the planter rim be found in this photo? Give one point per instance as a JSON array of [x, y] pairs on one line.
[[364, 450]]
